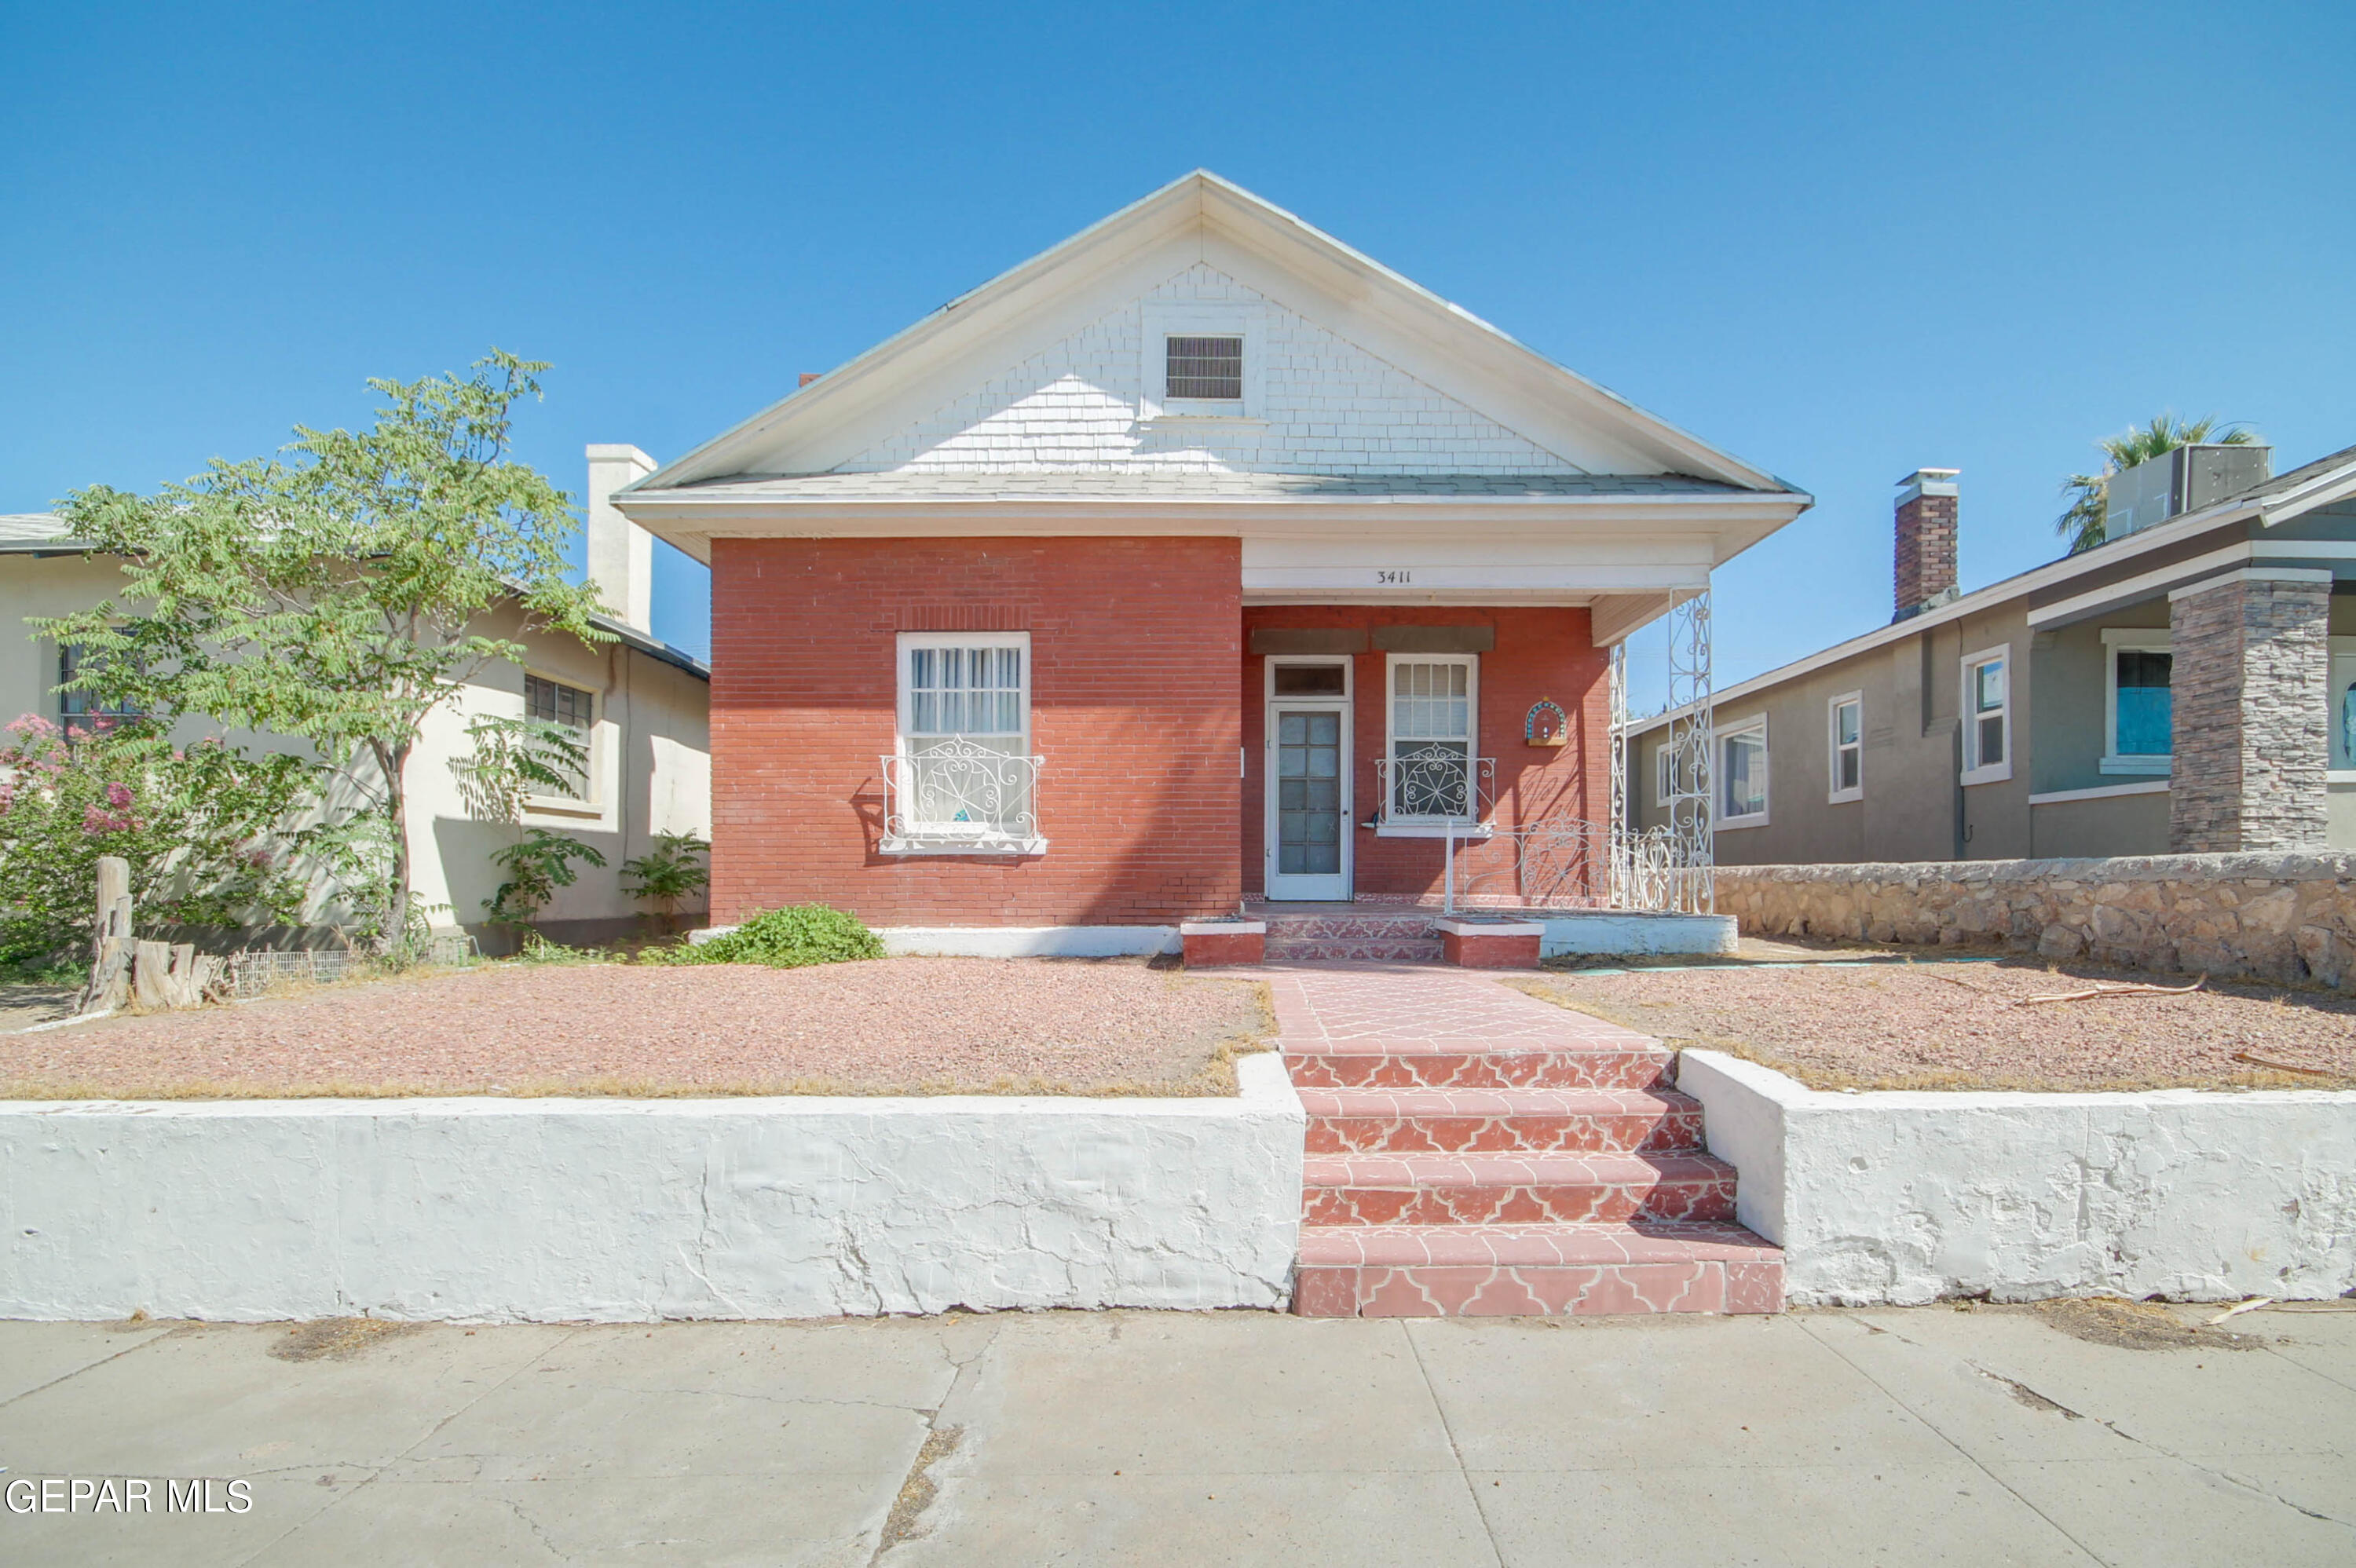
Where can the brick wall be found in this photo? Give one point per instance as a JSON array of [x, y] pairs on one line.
[[1140, 728], [1924, 566], [1329, 406], [1540, 654], [2251, 716]]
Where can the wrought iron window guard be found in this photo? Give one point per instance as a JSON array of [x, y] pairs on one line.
[[1435, 790], [959, 797]]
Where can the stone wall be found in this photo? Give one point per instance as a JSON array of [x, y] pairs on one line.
[[2252, 720], [2288, 917]]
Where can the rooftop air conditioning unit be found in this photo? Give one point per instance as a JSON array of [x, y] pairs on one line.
[[2184, 480]]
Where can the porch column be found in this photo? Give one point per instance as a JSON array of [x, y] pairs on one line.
[[2250, 695]]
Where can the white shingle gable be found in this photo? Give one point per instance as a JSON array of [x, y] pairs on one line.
[[1326, 406]]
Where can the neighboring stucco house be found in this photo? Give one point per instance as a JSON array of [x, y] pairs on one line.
[[1198, 560], [642, 703], [2188, 686]]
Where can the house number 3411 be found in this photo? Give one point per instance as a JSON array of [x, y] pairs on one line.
[[1394, 578]]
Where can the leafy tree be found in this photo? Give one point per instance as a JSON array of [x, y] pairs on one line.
[[2083, 524], [515, 758], [668, 874], [340, 591], [538, 863], [213, 837]]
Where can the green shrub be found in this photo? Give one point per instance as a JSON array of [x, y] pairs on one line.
[[788, 939]]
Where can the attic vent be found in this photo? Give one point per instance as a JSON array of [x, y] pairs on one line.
[[1207, 368]]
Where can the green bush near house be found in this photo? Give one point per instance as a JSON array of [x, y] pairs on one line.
[[788, 939]]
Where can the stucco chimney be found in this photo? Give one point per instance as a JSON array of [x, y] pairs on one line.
[[621, 553], [1925, 572]]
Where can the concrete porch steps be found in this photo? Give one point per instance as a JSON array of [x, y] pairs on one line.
[[1471, 1150]]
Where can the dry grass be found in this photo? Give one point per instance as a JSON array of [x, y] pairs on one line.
[[1961, 1026], [599, 1015]]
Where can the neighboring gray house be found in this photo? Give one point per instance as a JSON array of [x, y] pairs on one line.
[[2188, 686]]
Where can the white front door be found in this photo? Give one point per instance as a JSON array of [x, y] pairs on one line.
[[1309, 781]]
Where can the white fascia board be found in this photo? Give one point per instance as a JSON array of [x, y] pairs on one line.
[[1981, 600], [1085, 277], [2100, 791], [2131, 589], [1383, 311], [2320, 491]]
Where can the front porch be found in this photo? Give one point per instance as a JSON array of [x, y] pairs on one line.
[[1409, 931]]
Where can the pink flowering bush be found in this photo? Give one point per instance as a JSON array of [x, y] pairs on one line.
[[212, 835]]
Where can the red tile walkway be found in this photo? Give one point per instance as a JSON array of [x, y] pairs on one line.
[[1473, 1149]]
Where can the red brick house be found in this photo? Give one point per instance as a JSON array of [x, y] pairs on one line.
[[1198, 560]]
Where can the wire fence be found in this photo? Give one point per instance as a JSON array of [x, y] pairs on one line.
[[257, 971]]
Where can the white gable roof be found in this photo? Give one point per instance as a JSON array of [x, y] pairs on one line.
[[1037, 369]]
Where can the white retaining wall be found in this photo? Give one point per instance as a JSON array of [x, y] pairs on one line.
[[641, 1209], [1635, 932], [1907, 1197]]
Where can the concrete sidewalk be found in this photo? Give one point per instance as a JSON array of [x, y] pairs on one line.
[[1977, 1435]]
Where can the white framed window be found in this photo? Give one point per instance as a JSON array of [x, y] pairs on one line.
[[1432, 712], [1845, 748], [2342, 765], [1200, 362], [962, 778], [2138, 731], [1665, 786], [547, 700], [1742, 774], [1988, 715]]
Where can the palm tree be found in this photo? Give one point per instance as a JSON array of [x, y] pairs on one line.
[[2083, 524]]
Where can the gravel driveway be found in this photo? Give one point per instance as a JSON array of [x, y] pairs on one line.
[[1965, 1026], [923, 1025]]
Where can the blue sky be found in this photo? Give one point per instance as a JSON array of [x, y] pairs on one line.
[[1842, 242]]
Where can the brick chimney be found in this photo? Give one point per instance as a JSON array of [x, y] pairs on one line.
[[1926, 541]]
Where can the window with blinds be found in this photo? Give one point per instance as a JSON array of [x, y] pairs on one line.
[[552, 702]]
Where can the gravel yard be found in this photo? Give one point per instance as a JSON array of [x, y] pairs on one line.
[[1971, 1026], [898, 1025]]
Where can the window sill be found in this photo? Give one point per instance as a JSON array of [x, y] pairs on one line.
[[2150, 767], [1843, 796], [2000, 773], [958, 844], [561, 805], [1411, 827], [1728, 823]]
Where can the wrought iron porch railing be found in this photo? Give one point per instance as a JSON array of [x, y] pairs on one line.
[[1572, 863], [959, 797]]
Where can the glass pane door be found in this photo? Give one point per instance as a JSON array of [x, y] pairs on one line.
[[1308, 779]]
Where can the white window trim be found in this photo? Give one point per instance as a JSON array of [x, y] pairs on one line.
[[1719, 738], [2341, 660], [923, 844], [1663, 754], [2154, 639], [1349, 675], [1163, 322], [1429, 827], [1968, 717], [1834, 793], [591, 801]]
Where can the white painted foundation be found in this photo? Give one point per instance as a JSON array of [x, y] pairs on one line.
[[1012, 941], [488, 1210], [1634, 933], [1904, 1198]]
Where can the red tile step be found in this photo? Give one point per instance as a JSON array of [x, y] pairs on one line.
[[1378, 1064], [1497, 1189], [1501, 1121], [1352, 950], [1371, 1271]]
